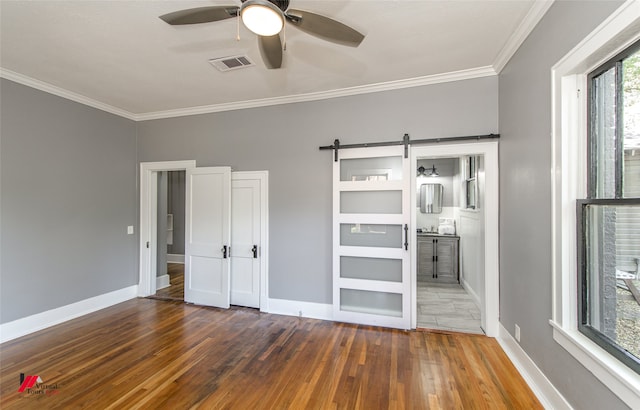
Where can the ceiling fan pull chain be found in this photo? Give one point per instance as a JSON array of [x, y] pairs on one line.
[[238, 27], [284, 34]]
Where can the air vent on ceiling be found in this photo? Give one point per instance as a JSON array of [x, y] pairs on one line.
[[231, 62]]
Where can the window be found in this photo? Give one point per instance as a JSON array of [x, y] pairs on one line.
[[583, 174], [609, 219], [470, 182]]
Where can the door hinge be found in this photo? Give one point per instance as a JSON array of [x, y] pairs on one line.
[[147, 244]]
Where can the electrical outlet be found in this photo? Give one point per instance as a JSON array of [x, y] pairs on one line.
[[518, 333]]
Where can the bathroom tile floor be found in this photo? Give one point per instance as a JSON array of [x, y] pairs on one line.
[[447, 307]]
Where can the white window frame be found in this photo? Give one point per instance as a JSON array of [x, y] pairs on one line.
[[569, 182]]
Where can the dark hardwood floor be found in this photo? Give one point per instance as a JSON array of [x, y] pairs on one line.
[[154, 354], [175, 290]]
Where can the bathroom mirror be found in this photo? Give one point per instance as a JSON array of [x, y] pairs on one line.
[[431, 198]]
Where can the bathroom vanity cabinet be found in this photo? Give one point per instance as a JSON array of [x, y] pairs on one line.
[[438, 258]]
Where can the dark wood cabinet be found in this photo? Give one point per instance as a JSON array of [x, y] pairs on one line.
[[438, 258]]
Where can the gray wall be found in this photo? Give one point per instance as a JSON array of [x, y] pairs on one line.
[[68, 192], [525, 197], [284, 140], [177, 191]]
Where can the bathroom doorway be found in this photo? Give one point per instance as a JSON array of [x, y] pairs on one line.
[[448, 222], [455, 268]]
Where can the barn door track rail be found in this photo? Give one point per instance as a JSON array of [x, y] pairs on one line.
[[406, 141]]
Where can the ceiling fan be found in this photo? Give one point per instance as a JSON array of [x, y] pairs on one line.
[[266, 18]]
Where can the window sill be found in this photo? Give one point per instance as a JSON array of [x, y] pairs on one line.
[[470, 210], [621, 380]]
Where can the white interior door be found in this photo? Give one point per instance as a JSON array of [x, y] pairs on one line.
[[371, 258], [207, 233], [245, 240]]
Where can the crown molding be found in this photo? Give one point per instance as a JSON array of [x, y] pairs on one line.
[[323, 95], [530, 21], [61, 92], [461, 75]]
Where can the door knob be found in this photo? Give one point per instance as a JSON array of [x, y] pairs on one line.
[[224, 252], [255, 251]]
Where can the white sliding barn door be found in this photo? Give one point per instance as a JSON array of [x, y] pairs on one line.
[[207, 233], [371, 214]]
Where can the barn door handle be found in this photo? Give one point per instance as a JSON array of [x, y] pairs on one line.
[[406, 237], [255, 251], [224, 251]]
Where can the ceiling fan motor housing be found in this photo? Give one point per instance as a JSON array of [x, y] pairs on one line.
[[281, 4]]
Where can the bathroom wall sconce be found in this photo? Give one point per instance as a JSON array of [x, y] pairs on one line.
[[433, 172]]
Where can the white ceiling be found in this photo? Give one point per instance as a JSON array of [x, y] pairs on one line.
[[119, 56]]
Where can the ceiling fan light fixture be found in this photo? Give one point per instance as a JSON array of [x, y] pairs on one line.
[[262, 17]]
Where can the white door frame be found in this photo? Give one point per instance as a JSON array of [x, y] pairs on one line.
[[263, 176], [148, 224], [491, 213], [148, 219]]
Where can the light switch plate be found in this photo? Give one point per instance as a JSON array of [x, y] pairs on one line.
[[130, 230]]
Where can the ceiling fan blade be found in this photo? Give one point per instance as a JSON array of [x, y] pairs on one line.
[[200, 15], [324, 28], [271, 50]]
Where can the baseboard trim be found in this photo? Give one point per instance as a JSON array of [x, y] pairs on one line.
[[544, 390], [175, 258], [162, 282], [302, 309], [471, 293], [39, 321]]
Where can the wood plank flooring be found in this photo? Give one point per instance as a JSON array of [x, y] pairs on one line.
[[175, 290], [154, 354]]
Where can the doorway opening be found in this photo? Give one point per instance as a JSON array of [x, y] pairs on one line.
[[173, 288], [455, 278], [148, 245], [170, 241], [449, 220]]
